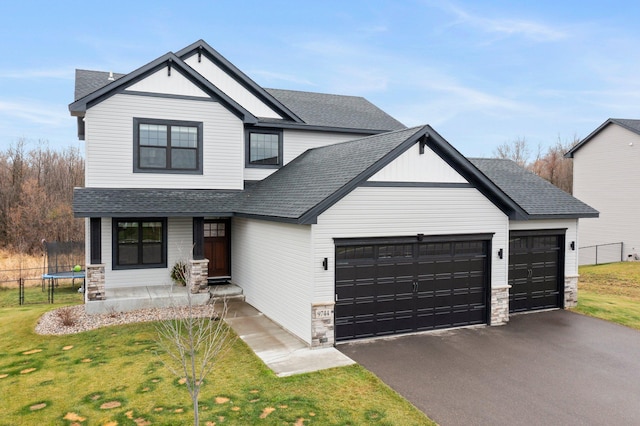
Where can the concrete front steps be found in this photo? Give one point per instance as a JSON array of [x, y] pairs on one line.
[[160, 296]]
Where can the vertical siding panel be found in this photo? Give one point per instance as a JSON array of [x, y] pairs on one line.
[[605, 177], [174, 84], [271, 262], [412, 166], [230, 86], [109, 143], [379, 212]]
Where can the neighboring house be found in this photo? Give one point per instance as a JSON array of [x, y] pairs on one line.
[[337, 221], [605, 167]]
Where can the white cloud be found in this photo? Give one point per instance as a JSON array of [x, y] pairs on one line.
[[504, 26], [27, 74], [269, 76], [32, 111]]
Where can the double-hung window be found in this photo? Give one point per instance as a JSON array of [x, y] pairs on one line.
[[264, 148], [162, 146], [139, 243]]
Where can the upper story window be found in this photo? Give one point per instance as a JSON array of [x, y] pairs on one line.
[[264, 148], [162, 146]]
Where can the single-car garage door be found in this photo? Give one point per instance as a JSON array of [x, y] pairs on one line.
[[392, 287], [536, 270]]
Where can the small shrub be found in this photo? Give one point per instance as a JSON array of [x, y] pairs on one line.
[[179, 273], [67, 316]]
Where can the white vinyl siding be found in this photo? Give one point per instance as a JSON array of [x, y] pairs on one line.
[[605, 174], [231, 87], [411, 166], [109, 143], [294, 143], [271, 262], [179, 243], [174, 84], [382, 212], [570, 256]]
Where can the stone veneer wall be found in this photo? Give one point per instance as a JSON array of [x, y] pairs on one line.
[[500, 305], [94, 282], [322, 325], [198, 274], [570, 291]]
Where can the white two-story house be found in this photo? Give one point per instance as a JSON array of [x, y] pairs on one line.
[[336, 220]]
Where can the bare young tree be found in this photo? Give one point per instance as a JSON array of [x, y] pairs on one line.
[[192, 343], [517, 150]]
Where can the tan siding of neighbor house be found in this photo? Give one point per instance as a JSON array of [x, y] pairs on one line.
[[231, 87], [605, 176], [109, 143], [271, 262]]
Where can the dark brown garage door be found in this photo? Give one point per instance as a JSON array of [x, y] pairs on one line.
[[401, 287], [536, 270]]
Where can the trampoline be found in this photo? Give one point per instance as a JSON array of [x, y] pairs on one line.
[[50, 281]]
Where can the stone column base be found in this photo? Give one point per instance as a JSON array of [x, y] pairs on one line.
[[198, 274], [499, 305], [322, 326], [94, 283], [570, 291]]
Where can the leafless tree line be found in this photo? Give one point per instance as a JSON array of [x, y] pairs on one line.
[[549, 164], [36, 193]]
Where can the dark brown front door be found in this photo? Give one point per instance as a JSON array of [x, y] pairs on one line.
[[216, 247]]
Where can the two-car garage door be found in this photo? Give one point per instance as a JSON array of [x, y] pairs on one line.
[[395, 286]]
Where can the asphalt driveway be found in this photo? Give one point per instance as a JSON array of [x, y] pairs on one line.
[[552, 368]]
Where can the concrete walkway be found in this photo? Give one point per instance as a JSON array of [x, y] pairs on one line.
[[282, 352]]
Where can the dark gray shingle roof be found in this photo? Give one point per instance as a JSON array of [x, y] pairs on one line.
[[89, 81], [321, 109], [315, 109], [533, 194], [306, 186], [111, 202]]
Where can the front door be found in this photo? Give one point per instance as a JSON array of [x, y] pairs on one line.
[[216, 247]]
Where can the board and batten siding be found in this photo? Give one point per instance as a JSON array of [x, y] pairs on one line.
[[271, 262], [109, 143], [369, 212], [571, 225], [231, 87], [179, 243], [173, 84], [605, 176], [411, 166], [294, 143]]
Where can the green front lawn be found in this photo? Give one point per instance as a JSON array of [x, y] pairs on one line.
[[112, 376], [611, 292]]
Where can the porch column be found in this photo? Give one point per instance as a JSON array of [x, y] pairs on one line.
[[198, 274], [94, 280], [198, 238]]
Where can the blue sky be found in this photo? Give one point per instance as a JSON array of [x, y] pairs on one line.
[[482, 72]]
